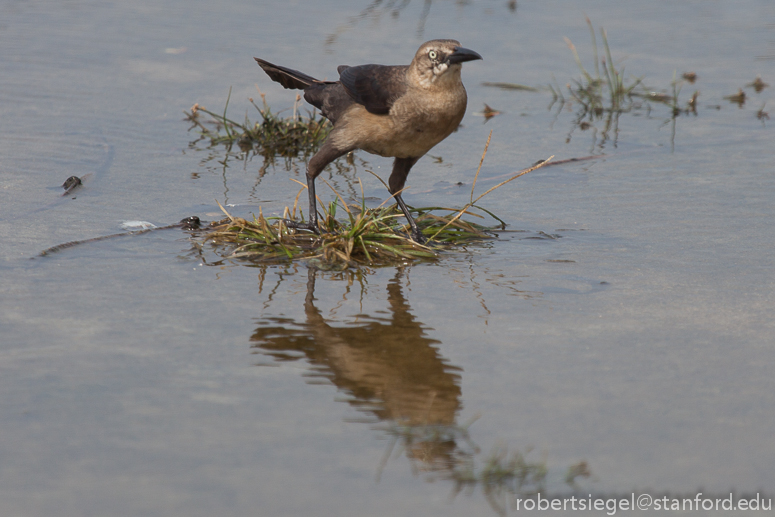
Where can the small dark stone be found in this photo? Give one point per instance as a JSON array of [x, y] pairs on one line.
[[71, 182], [190, 223]]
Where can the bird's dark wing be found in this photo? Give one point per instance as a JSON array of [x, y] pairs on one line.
[[330, 98], [376, 87]]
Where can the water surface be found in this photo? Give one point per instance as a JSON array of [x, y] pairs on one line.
[[625, 321]]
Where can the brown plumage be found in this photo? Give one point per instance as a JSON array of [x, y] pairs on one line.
[[393, 111]]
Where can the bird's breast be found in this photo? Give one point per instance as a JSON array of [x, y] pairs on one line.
[[416, 122]]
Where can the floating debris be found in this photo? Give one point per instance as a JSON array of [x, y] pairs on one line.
[[134, 226], [187, 223], [511, 86], [692, 104], [758, 85], [738, 98], [489, 113], [762, 115], [655, 96]]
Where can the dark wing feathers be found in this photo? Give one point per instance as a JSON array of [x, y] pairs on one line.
[[329, 98], [291, 79], [376, 87]]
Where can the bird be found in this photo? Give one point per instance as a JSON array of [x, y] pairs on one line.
[[398, 111]]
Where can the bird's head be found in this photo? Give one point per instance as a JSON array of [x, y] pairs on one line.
[[440, 60]]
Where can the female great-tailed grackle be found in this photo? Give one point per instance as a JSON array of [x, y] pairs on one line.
[[392, 111]]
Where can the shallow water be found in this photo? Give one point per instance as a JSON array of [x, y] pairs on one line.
[[625, 322]]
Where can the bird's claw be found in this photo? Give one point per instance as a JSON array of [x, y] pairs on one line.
[[419, 238], [301, 226]]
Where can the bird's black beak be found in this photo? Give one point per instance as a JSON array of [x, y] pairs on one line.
[[462, 54]]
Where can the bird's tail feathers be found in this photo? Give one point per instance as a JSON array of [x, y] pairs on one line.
[[290, 79]]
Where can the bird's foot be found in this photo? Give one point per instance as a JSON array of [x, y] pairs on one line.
[[311, 227], [419, 238]]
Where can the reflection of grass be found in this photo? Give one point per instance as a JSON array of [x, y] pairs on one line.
[[503, 472], [437, 447], [447, 452], [365, 237]]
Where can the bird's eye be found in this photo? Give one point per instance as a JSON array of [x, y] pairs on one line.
[[432, 54]]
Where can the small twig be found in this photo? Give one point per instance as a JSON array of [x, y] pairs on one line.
[[226, 126], [344, 204], [480, 165], [463, 210], [520, 173]]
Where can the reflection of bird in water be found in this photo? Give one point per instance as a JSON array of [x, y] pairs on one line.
[[390, 369], [389, 366]]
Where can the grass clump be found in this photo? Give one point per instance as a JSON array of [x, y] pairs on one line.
[[366, 236], [610, 93], [288, 137], [604, 94], [598, 93]]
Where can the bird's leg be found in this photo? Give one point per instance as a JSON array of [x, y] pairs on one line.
[[313, 206], [401, 167], [312, 223], [417, 235], [327, 154]]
